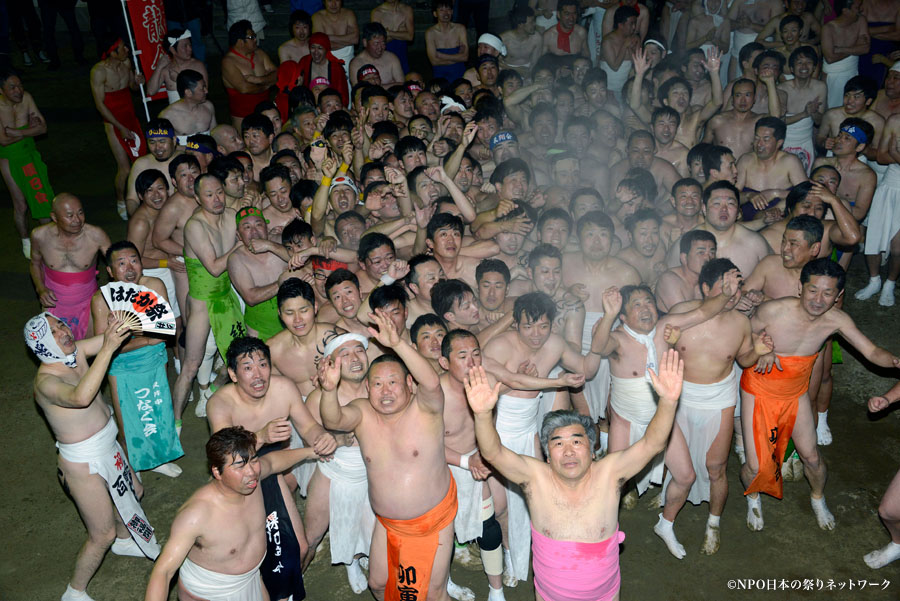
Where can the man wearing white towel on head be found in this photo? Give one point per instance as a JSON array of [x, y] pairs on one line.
[[92, 465], [844, 40]]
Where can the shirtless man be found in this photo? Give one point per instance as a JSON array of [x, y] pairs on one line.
[[209, 239], [886, 509], [178, 56], [424, 273], [617, 48], [255, 269], [767, 65], [397, 19], [446, 43], [641, 152], [568, 37], [597, 270], [735, 128], [338, 498], [408, 475], [571, 490], [258, 134], [20, 122], [687, 200], [705, 417], [64, 263], [718, 164], [161, 149], [859, 93], [749, 17], [91, 463], [342, 288], [194, 113], [682, 283], [112, 80], [767, 174], [373, 53], [809, 31], [844, 40], [805, 104], [646, 253], [676, 93], [339, 24], [168, 229], [276, 183], [643, 20], [152, 189], [443, 238], [247, 72], [888, 101], [227, 138], [734, 241], [218, 538], [300, 28], [664, 124], [523, 43], [269, 405], [776, 410]]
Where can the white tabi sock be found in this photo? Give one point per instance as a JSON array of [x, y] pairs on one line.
[[883, 556], [74, 595], [823, 516], [665, 530]]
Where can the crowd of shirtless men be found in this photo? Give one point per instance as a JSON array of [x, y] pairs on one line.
[[486, 307]]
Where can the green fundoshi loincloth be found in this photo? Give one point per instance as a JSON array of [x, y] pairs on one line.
[[30, 174], [222, 304], [263, 318]]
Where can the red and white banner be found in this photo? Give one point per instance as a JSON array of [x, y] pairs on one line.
[[148, 24]]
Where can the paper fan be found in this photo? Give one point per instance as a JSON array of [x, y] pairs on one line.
[[140, 307]]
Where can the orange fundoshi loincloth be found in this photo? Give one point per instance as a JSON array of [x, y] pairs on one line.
[[777, 395], [411, 547]]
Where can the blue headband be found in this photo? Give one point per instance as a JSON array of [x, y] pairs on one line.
[[503, 136], [856, 132]]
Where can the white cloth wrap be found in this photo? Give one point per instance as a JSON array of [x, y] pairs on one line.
[[545, 23], [165, 274], [674, 19], [616, 78], [182, 139], [346, 54], [884, 214], [468, 523], [238, 10], [352, 520], [106, 458], [172, 95], [547, 398], [305, 470], [517, 427], [632, 399], [596, 390], [798, 140], [739, 39], [215, 586], [595, 30], [645, 340], [839, 74], [40, 339], [699, 415]]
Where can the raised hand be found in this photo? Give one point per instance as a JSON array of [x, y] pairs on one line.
[[713, 58], [329, 167], [394, 176], [116, 333], [329, 373], [731, 282], [671, 334], [276, 430], [470, 132], [347, 153], [482, 398], [667, 383], [640, 61], [612, 301], [386, 334], [398, 269]]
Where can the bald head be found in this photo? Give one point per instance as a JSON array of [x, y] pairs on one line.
[[227, 139], [68, 214]]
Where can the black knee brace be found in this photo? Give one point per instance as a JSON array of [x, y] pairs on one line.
[[491, 536]]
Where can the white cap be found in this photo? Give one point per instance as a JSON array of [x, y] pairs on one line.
[[494, 42]]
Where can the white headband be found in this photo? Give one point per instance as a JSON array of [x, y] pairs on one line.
[[184, 36], [494, 42], [448, 104], [344, 338], [655, 43], [895, 67], [40, 340]]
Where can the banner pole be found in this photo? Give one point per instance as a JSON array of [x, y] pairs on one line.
[[134, 57]]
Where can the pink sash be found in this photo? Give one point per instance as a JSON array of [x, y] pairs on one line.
[[73, 292], [571, 571]]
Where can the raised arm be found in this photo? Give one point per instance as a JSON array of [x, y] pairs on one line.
[[482, 399], [334, 416], [846, 230]]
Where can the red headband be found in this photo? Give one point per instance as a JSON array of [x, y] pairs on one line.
[[322, 40], [110, 50], [327, 264]]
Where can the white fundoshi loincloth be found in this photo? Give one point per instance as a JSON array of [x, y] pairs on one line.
[[739, 39], [548, 397], [839, 73], [798, 140], [616, 78], [517, 427], [632, 399], [884, 214], [351, 518], [596, 390], [468, 523], [346, 54], [699, 415], [165, 274], [215, 586], [106, 458]]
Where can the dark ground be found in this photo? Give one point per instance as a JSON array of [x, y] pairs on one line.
[[41, 531]]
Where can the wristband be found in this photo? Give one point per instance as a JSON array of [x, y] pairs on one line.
[[464, 461], [317, 134], [163, 263], [387, 280], [326, 181], [344, 168]]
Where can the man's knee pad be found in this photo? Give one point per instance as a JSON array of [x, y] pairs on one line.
[[491, 535]]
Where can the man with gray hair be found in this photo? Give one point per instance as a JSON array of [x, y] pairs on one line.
[[574, 559]]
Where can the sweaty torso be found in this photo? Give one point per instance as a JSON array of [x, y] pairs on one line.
[[710, 349], [17, 115], [459, 423], [69, 424], [70, 254], [297, 358]]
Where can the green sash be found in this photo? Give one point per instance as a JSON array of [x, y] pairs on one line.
[[146, 405], [264, 318], [222, 303], [30, 174]]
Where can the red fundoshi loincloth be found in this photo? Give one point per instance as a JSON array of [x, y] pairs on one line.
[[120, 105]]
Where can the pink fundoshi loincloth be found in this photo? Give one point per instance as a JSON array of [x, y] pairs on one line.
[[73, 292], [574, 571]]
